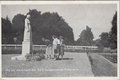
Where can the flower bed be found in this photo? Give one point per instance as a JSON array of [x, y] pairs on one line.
[[112, 58]]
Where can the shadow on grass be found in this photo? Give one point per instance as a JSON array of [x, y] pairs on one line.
[[66, 59]]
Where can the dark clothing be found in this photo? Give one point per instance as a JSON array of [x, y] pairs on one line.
[[57, 51], [62, 50]]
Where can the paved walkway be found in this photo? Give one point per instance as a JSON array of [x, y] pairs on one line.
[[73, 65]]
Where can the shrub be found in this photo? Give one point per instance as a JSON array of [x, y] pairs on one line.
[[35, 57]]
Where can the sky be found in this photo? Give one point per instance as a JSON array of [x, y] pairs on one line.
[[97, 16]]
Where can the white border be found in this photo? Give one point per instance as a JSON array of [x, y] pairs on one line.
[[66, 2], [58, 2], [0, 46], [118, 38]]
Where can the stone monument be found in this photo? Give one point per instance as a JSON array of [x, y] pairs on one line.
[[27, 41]]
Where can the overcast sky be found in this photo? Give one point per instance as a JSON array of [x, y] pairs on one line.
[[96, 16]]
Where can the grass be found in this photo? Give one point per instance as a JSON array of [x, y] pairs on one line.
[[101, 66], [99, 63], [16, 68], [112, 58], [19, 51]]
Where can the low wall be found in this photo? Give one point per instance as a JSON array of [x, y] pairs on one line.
[[18, 48]]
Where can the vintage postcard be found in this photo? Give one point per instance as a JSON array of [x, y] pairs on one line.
[[60, 40]]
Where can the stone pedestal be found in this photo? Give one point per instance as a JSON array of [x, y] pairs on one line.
[[26, 49]]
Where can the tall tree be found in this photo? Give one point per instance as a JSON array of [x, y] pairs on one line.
[[86, 37], [7, 35], [36, 25], [18, 27], [113, 32]]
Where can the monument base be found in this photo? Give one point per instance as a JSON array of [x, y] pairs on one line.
[[18, 58], [26, 49]]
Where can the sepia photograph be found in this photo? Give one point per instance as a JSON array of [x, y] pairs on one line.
[[59, 39]]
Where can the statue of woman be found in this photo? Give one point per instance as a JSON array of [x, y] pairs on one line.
[[27, 40], [27, 30]]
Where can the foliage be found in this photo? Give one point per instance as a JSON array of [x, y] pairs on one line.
[[99, 44], [18, 27], [48, 24], [35, 57], [112, 58], [7, 31], [113, 32], [86, 37], [104, 39], [43, 25], [108, 39]]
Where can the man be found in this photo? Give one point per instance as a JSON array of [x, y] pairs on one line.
[[61, 52], [56, 45]]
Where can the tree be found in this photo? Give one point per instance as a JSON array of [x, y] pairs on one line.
[[36, 25], [48, 24], [113, 32], [98, 43], [86, 37], [104, 39], [18, 27], [43, 25], [7, 35]]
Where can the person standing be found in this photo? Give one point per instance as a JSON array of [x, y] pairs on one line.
[[56, 46], [48, 51], [61, 47]]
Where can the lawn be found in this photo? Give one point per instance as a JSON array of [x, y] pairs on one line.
[[102, 66], [110, 57], [72, 65], [79, 63]]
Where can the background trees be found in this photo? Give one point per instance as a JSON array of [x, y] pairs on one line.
[[113, 32], [43, 25], [104, 39], [48, 24], [109, 39], [7, 32], [86, 37], [18, 27]]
